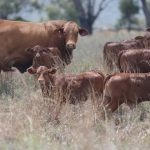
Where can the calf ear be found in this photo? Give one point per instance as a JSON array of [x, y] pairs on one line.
[[138, 37], [31, 70], [60, 29], [52, 71], [83, 32], [29, 50]]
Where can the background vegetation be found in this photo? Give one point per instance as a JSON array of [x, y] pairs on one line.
[[24, 114]]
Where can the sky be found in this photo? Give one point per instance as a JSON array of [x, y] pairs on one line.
[[107, 19], [109, 16]]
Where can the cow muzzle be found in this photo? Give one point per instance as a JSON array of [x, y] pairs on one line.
[[70, 46], [41, 79], [37, 55]]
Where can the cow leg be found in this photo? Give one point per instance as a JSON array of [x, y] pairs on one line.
[[94, 99], [7, 64], [57, 110], [110, 105]]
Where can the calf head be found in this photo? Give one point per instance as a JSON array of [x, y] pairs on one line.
[[42, 56], [45, 77]]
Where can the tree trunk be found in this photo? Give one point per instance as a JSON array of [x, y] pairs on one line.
[[84, 18], [86, 24], [87, 15], [146, 12]]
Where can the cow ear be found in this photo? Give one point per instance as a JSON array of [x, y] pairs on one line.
[[60, 30], [52, 71], [148, 29], [138, 37], [83, 31], [31, 70], [29, 50], [49, 49]]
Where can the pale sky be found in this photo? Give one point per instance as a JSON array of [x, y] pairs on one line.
[[108, 18]]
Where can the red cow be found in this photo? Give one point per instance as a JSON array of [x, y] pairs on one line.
[[134, 61], [17, 36]]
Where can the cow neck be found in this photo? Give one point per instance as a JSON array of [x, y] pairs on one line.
[[61, 46]]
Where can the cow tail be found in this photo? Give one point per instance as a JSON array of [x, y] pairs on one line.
[[107, 78], [100, 73], [118, 62]]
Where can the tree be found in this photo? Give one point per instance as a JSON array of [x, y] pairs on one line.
[[87, 12], [146, 11], [128, 9], [11, 8], [83, 11], [63, 9]]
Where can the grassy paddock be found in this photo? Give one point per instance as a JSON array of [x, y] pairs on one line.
[[24, 113]]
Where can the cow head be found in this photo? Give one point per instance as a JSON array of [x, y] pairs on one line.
[[137, 42], [70, 30], [147, 38]]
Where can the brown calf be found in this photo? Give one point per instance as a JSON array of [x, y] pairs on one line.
[[70, 88], [78, 87], [129, 88], [112, 49], [45, 56], [134, 61]]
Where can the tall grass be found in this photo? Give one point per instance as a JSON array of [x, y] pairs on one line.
[[24, 114]]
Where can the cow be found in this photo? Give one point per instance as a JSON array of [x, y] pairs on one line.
[[129, 88], [17, 36], [73, 88], [46, 56], [112, 49], [134, 61]]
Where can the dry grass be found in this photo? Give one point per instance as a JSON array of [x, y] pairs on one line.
[[24, 114]]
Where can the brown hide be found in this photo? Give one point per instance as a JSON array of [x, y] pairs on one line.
[[46, 56], [17, 36], [129, 88], [112, 49], [77, 87], [134, 61]]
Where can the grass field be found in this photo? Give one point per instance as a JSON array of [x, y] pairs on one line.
[[23, 112]]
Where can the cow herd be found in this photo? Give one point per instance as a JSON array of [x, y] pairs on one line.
[[132, 84], [44, 49]]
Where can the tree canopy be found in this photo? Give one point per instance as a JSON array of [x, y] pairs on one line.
[[128, 9]]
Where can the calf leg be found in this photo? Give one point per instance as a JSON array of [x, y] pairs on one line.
[[110, 105]]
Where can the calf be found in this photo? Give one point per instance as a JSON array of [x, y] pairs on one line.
[[134, 61], [112, 49], [129, 88], [70, 88], [49, 57], [78, 87]]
